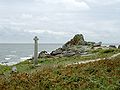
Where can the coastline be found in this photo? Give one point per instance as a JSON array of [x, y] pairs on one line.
[[75, 46], [14, 63], [22, 59], [14, 53]]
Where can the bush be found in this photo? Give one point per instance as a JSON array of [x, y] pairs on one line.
[[107, 51], [97, 50]]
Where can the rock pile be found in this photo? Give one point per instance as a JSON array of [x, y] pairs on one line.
[[76, 46], [70, 48]]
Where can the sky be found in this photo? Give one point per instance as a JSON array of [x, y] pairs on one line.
[[57, 21]]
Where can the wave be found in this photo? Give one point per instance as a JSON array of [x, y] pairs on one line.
[[8, 63], [7, 58], [10, 55], [25, 58]]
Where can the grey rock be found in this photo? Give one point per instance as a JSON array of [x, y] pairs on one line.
[[57, 51], [43, 54], [85, 53], [59, 55], [112, 46], [97, 44], [78, 39], [90, 43], [68, 53], [65, 47]]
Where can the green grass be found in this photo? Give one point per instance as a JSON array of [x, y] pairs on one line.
[[27, 66], [4, 69]]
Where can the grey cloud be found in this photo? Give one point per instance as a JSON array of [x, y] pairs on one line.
[[59, 19]]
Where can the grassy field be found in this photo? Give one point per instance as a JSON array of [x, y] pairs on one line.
[[53, 75]]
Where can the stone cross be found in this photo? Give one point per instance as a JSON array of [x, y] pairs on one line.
[[36, 51]]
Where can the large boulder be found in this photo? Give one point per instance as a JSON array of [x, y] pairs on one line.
[[77, 40]]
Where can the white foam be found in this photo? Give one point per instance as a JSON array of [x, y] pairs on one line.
[[11, 63], [7, 58], [24, 58], [8, 63], [15, 62]]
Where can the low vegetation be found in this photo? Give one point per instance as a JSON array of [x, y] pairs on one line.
[[99, 75], [52, 74]]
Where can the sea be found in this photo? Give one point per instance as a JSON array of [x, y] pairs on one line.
[[11, 54]]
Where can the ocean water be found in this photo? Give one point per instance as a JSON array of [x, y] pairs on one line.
[[14, 53]]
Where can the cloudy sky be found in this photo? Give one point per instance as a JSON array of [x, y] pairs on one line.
[[56, 21]]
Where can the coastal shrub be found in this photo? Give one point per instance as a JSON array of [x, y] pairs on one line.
[[107, 51], [95, 51], [104, 51], [99, 75]]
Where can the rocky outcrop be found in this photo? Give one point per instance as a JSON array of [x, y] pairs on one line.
[[112, 46], [77, 40], [76, 46]]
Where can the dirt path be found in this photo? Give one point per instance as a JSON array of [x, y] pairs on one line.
[[41, 67], [83, 62], [115, 55]]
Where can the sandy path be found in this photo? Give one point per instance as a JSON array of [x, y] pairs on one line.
[[83, 62]]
